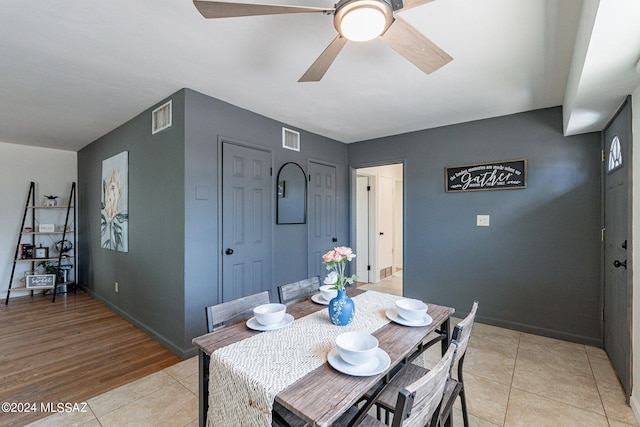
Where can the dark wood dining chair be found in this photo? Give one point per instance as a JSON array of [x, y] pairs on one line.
[[418, 404], [454, 387], [293, 292], [228, 312]]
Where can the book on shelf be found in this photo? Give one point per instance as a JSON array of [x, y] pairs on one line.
[[25, 251]]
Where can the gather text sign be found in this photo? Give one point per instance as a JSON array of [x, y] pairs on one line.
[[504, 175]]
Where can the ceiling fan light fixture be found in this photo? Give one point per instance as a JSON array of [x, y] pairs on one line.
[[362, 24], [363, 20]]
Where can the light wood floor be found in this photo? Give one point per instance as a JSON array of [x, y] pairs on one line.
[[69, 351]]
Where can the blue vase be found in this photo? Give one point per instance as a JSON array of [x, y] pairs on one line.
[[341, 309]]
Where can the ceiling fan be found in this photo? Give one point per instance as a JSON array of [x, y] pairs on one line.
[[355, 20]]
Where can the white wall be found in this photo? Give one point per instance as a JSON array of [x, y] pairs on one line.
[[635, 238], [53, 171]]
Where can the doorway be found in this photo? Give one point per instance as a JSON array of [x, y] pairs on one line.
[[617, 262], [378, 225]]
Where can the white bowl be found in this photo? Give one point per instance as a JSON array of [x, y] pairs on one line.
[[269, 314], [356, 348], [411, 309], [328, 293]]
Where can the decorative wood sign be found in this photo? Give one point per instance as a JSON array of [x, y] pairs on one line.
[[504, 175], [41, 281]]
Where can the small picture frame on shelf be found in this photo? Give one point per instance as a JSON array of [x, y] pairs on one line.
[[41, 281], [40, 252]]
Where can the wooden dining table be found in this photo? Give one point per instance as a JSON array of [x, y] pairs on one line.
[[321, 396]]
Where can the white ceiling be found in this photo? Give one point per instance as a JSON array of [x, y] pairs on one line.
[[72, 70]]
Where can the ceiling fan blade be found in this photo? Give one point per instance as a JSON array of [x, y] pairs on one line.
[[324, 61], [414, 46], [408, 4], [218, 9]]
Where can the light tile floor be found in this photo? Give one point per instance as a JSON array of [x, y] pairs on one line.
[[512, 379]]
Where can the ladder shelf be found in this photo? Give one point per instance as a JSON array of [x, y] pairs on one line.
[[27, 252]]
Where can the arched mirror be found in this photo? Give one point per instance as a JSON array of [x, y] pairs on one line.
[[291, 195]]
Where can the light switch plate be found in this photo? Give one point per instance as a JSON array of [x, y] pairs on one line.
[[482, 220], [202, 192]]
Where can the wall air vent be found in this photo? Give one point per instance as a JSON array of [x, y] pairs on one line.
[[161, 118], [290, 139]]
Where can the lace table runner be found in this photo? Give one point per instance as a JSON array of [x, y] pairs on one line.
[[246, 376]]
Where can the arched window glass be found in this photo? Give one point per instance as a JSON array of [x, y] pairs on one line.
[[615, 154]]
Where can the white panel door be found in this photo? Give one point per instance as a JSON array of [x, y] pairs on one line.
[[246, 221], [322, 216], [385, 222], [362, 227], [617, 286]]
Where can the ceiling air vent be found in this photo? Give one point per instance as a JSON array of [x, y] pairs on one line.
[[161, 118], [290, 139]]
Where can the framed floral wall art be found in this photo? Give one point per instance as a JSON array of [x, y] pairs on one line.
[[114, 213]]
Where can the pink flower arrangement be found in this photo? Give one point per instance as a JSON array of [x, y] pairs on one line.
[[336, 261]]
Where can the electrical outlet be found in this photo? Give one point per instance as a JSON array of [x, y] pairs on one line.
[[482, 221], [116, 287]]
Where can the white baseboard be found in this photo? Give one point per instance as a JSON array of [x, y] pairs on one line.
[[635, 406]]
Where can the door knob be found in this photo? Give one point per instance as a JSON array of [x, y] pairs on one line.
[[335, 239], [618, 264], [229, 251]]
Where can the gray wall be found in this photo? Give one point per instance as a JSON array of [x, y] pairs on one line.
[[171, 271], [150, 275], [208, 122], [537, 267]]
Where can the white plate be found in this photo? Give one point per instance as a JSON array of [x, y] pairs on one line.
[[378, 364], [254, 324], [393, 315], [318, 299]]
